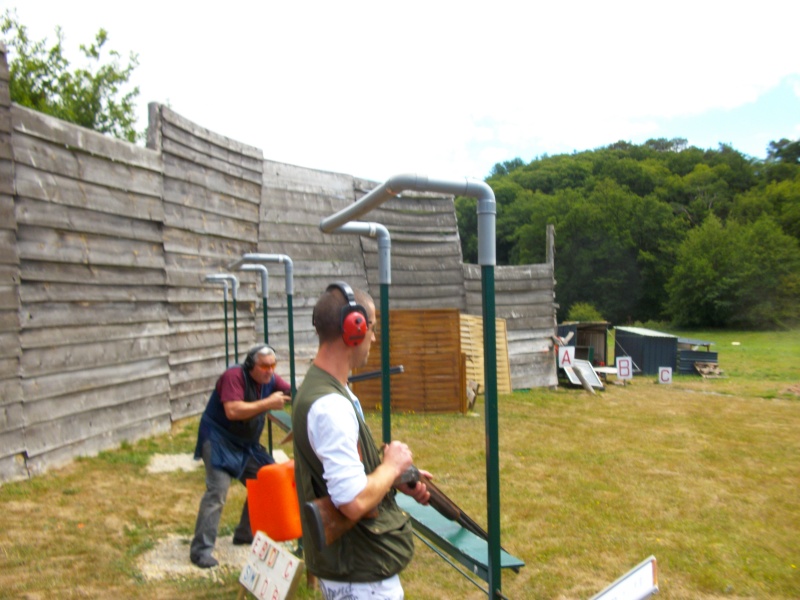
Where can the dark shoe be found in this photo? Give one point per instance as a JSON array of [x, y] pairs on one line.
[[205, 562], [242, 541]]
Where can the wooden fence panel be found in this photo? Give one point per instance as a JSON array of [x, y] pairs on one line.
[[12, 419], [428, 345], [425, 250], [525, 299], [212, 193], [91, 288], [295, 200]]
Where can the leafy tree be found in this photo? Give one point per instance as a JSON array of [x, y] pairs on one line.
[[93, 97], [736, 275]]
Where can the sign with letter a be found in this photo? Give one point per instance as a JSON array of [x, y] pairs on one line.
[[566, 356], [624, 367]]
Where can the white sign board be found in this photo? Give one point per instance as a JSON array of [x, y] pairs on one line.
[[637, 584], [664, 374], [271, 571], [624, 367], [566, 356]]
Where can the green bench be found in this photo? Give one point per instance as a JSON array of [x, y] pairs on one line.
[[464, 546]]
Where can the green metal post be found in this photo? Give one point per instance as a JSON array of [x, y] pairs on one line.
[[291, 345], [492, 429], [386, 396], [225, 305], [266, 328], [235, 331]]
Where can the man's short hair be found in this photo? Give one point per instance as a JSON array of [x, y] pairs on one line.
[[327, 315]]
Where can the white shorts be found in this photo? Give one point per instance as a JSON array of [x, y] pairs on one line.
[[387, 589]]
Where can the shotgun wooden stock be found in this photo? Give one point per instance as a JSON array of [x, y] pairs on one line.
[[326, 523]]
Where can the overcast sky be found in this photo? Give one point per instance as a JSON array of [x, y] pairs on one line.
[[448, 89]]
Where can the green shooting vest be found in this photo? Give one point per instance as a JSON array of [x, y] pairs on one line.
[[375, 548]]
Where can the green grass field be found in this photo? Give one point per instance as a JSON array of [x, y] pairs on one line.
[[702, 474]]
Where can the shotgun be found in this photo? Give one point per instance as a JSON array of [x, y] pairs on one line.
[[327, 523]]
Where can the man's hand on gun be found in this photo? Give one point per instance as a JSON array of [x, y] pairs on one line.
[[277, 400], [398, 455]]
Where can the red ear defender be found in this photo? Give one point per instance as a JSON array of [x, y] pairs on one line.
[[354, 316], [354, 328]]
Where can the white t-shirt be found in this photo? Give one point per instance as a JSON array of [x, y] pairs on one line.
[[333, 434]]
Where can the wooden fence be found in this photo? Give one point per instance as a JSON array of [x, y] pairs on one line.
[[109, 331]]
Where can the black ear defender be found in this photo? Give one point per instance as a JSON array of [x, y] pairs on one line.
[[250, 358], [354, 322]]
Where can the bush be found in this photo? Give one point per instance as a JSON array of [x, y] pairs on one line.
[[584, 311]]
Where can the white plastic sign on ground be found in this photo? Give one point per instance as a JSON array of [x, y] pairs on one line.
[[664, 374], [566, 356], [624, 367], [271, 571], [637, 584]]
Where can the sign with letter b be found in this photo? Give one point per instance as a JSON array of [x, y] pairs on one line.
[[624, 367]]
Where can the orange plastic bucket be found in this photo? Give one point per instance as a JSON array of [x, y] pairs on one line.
[[272, 502]]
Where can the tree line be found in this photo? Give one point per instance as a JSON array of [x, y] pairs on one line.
[[659, 231], [656, 231]]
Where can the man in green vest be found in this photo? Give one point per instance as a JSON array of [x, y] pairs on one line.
[[335, 455]]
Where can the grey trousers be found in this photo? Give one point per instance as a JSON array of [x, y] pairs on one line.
[[217, 484]]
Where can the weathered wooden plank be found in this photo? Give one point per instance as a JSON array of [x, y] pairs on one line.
[[6, 178], [45, 244], [222, 249], [66, 405], [12, 442], [9, 345], [74, 163], [9, 367], [50, 215], [49, 360], [421, 250], [58, 384], [9, 320], [173, 121], [187, 406], [179, 168], [197, 221], [91, 333], [406, 264], [7, 218], [44, 128], [275, 202], [9, 273], [511, 273], [38, 464], [62, 314], [9, 297], [36, 270], [532, 300], [13, 468], [420, 277], [36, 184], [53, 435], [282, 176], [185, 193], [191, 150], [8, 250]]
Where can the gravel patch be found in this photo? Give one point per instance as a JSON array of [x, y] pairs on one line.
[[170, 557], [166, 463]]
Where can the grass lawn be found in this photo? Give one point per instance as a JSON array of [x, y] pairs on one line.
[[703, 474]]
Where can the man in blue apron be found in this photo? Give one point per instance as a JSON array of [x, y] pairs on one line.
[[228, 441]]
